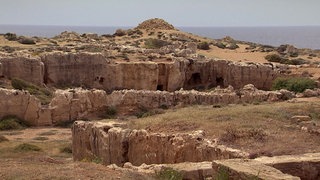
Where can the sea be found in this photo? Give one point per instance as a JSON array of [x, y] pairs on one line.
[[299, 36]]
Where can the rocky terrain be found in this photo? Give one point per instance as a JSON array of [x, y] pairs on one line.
[[137, 76]]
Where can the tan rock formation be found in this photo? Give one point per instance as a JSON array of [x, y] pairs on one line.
[[21, 104], [305, 166], [29, 69], [244, 169], [116, 145], [73, 104]]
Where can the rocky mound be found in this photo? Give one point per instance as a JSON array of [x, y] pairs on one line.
[[155, 23]]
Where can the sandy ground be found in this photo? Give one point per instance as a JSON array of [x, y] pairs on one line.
[[50, 163]]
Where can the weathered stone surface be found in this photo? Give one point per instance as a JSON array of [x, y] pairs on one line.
[[305, 166], [19, 103], [116, 145], [188, 170], [29, 69], [243, 169], [74, 104]]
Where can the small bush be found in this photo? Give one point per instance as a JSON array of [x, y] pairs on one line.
[[169, 174], [110, 112], [25, 40], [120, 32], [297, 84], [203, 46], [2, 139], [220, 45], [222, 174], [155, 43], [274, 58], [67, 149], [11, 36], [298, 61], [25, 147], [11, 123], [233, 46]]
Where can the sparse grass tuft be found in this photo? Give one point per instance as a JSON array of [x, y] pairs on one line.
[[25, 147], [155, 43], [67, 149], [169, 174], [42, 94], [11, 123], [41, 138]]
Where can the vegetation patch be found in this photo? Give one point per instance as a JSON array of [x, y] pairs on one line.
[[42, 94], [109, 112], [41, 138], [25, 147], [232, 134], [11, 123], [203, 45], [169, 174], [297, 84], [66, 149], [152, 43], [49, 133]]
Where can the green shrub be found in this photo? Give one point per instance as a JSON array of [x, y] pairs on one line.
[[152, 43], [42, 94], [41, 138], [233, 46], [297, 84], [25, 147], [11, 123], [203, 45], [169, 174], [109, 112], [298, 61], [25, 40], [222, 174], [66, 149], [274, 58], [220, 45], [2, 139], [10, 36], [120, 32]]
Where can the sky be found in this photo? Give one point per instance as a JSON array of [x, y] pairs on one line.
[[177, 12]]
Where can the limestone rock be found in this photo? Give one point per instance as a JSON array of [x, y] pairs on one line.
[[117, 145], [243, 169], [28, 69]]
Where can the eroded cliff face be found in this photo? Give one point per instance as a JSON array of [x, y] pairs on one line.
[[73, 104], [28, 69], [115, 144], [93, 70]]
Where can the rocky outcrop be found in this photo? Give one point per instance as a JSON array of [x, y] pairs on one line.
[[72, 104], [243, 169], [29, 69], [117, 145], [24, 106], [93, 70], [305, 166]]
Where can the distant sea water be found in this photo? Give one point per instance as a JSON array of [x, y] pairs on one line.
[[299, 36]]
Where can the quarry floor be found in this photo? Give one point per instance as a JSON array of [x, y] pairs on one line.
[[259, 128]]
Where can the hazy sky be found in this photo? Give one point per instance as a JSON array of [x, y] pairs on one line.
[[176, 12]]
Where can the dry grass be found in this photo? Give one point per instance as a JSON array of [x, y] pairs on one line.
[[19, 160], [258, 129]]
